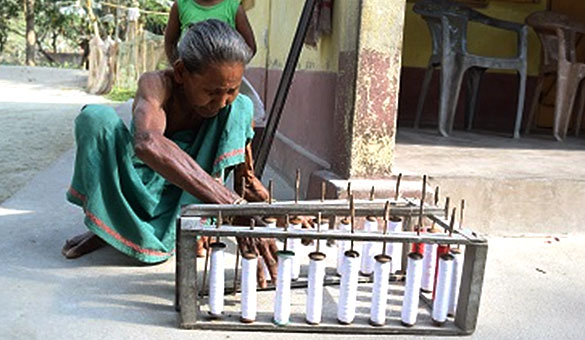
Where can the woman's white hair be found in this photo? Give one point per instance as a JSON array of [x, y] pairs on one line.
[[212, 41]]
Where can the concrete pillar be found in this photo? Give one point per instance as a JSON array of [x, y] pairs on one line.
[[368, 81], [368, 85]]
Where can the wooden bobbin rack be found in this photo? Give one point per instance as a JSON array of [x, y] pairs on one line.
[[191, 299]]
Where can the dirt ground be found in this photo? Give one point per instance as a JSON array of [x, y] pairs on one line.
[[37, 109]]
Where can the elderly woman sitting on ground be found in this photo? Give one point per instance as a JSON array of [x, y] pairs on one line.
[[190, 128]]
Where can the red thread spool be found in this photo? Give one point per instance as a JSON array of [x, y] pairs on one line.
[[418, 248], [441, 249]]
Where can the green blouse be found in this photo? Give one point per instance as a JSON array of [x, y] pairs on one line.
[[191, 12]]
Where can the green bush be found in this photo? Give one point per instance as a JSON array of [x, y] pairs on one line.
[[119, 94]]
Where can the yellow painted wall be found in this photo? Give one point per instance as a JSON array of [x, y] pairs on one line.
[[275, 22], [481, 39]]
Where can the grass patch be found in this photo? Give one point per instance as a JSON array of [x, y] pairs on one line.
[[119, 94]]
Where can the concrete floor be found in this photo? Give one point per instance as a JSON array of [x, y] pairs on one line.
[[533, 287], [488, 155], [511, 187]]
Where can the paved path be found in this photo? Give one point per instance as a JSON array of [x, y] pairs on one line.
[[37, 108]]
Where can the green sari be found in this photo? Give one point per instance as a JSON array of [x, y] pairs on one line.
[[129, 205]]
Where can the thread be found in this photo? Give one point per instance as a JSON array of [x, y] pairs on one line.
[[315, 288], [418, 248], [429, 262], [248, 284], [443, 289], [456, 282], [216, 279], [283, 292], [411, 289], [348, 287], [294, 245], [342, 245], [369, 248], [394, 250], [382, 268], [441, 249]]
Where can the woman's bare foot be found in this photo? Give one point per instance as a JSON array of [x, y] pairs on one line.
[[81, 245]]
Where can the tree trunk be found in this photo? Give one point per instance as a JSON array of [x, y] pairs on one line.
[[29, 6]]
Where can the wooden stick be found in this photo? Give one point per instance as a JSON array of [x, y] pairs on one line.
[[386, 220], [236, 269], [286, 229], [452, 222], [318, 229], [461, 213], [447, 200], [218, 224], [205, 266], [323, 190], [436, 203], [297, 185], [352, 215], [397, 192], [422, 202], [270, 189], [372, 193], [348, 189]]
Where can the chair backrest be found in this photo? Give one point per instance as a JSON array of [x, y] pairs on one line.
[[555, 30], [455, 15]]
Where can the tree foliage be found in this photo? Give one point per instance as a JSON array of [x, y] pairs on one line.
[[60, 19], [9, 9], [68, 21], [155, 23]]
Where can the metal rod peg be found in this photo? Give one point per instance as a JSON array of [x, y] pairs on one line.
[[397, 190], [386, 220]]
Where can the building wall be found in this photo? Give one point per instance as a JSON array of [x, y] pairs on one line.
[[305, 134], [482, 40]]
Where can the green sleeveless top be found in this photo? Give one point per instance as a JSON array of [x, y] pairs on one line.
[[191, 12]]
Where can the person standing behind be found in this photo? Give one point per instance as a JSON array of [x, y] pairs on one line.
[[186, 12]]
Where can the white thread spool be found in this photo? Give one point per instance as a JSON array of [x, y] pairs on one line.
[[394, 250], [369, 248], [216, 279], [315, 288], [283, 292], [294, 245], [382, 269], [429, 262], [248, 284], [444, 279], [411, 289], [342, 245], [456, 282], [348, 287]]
